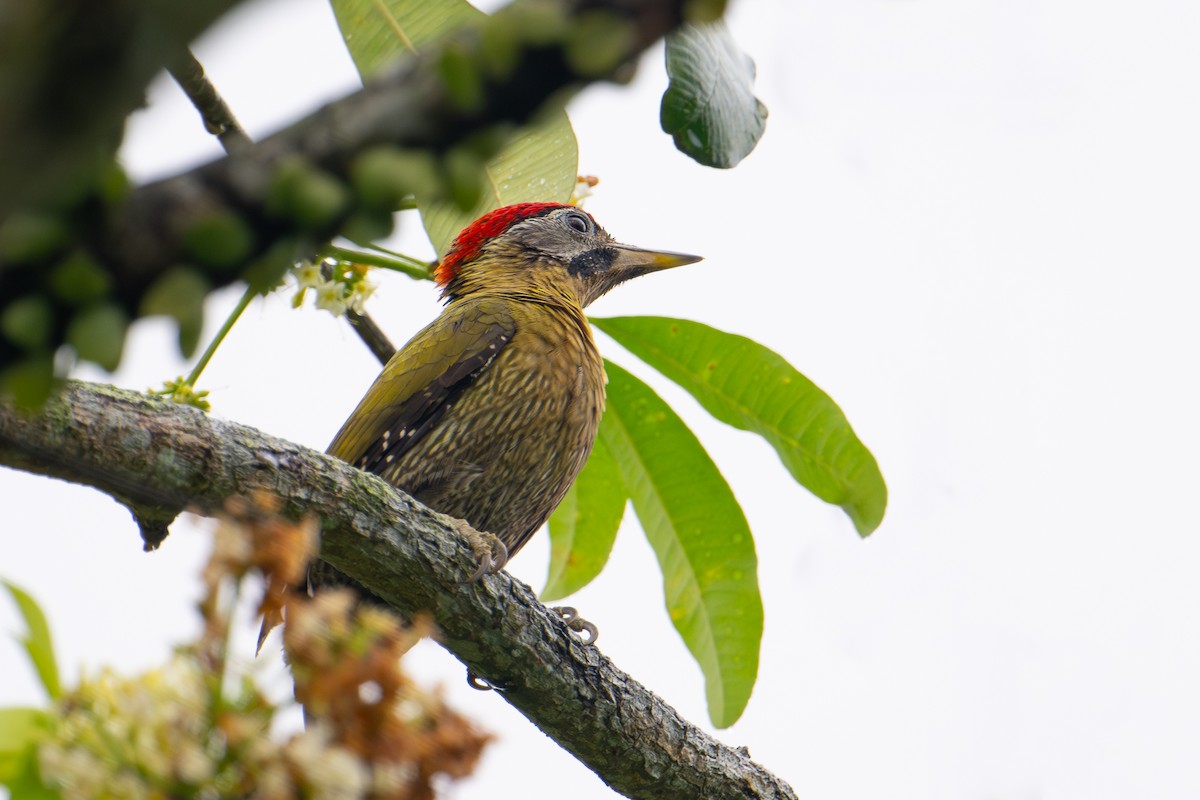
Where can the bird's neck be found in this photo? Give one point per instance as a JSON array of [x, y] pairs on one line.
[[534, 281], [545, 289]]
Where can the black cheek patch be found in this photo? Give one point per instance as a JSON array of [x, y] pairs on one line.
[[592, 261]]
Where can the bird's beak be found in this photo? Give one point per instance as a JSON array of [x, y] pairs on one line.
[[606, 266], [639, 261]]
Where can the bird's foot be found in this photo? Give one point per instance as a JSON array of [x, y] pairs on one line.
[[577, 623], [490, 553]]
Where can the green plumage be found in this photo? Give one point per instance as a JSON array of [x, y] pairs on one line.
[[487, 415]]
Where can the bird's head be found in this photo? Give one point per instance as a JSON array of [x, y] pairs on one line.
[[544, 245]]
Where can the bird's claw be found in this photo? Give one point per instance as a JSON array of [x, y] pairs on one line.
[[491, 554], [577, 623], [478, 683]]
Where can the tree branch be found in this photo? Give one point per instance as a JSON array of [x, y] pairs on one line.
[[371, 335], [218, 118], [153, 454]]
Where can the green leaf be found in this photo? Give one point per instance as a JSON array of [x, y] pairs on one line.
[[98, 334], [305, 195], [79, 279], [19, 729], [37, 642], [219, 239], [29, 237], [698, 532], [386, 178], [584, 526], [744, 384], [709, 107], [29, 380], [379, 31], [539, 164], [179, 292], [28, 322]]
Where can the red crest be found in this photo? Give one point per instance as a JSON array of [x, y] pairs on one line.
[[470, 241]]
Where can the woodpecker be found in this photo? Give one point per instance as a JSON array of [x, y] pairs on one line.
[[489, 413]]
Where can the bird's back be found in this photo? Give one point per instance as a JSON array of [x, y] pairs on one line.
[[500, 445]]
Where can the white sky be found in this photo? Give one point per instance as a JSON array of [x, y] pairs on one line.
[[973, 223]]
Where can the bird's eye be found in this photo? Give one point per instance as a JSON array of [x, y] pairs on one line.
[[578, 223]]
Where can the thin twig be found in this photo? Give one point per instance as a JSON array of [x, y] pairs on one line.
[[217, 116], [386, 259], [220, 335], [220, 122], [372, 336]]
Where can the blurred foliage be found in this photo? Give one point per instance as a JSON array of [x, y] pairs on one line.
[[539, 162], [200, 726]]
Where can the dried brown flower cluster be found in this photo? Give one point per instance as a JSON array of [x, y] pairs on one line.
[[199, 727], [346, 664]]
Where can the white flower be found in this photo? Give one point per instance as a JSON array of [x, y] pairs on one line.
[[308, 275], [584, 186], [331, 296], [362, 290]]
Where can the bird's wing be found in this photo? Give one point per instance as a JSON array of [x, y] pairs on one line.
[[420, 380]]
